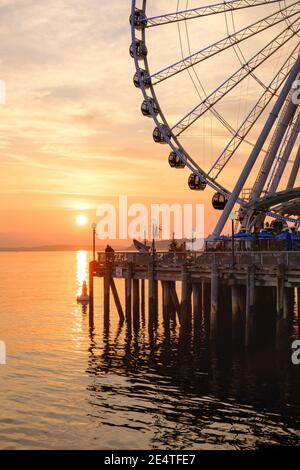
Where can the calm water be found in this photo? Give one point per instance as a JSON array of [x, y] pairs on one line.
[[67, 388]]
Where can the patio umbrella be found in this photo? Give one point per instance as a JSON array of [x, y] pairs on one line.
[[266, 236], [285, 235], [244, 236], [223, 238]]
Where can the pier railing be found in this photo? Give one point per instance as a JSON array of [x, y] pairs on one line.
[[196, 259]]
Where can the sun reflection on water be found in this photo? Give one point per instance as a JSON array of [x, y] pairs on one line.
[[82, 273], [81, 276]]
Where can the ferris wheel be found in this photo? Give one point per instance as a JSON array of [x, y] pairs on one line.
[[220, 82]]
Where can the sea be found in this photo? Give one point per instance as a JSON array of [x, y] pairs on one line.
[[68, 386]]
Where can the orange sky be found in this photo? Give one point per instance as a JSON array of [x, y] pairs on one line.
[[72, 135]]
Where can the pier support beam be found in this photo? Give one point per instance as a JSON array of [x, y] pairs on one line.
[[206, 300], [175, 300], [298, 305], [92, 267], [214, 306], [280, 291], [143, 299], [128, 289], [197, 304], [236, 311], [117, 300], [106, 291], [166, 294], [284, 309], [152, 294], [288, 303], [186, 307], [136, 302], [250, 305]]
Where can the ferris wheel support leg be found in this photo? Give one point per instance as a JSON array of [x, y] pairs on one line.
[[285, 120], [294, 172], [285, 158], [257, 149]]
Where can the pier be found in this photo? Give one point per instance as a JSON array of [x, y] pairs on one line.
[[253, 296]]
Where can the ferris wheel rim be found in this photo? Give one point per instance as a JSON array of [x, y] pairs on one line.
[[162, 123], [190, 163]]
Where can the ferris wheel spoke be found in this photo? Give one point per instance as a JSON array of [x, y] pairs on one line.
[[252, 118], [226, 43], [282, 160], [203, 11], [243, 72], [294, 171]]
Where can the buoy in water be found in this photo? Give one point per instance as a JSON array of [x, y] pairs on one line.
[[84, 297]]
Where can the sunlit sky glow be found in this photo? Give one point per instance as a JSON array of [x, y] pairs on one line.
[[72, 135]]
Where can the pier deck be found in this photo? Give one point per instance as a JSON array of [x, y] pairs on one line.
[[169, 266], [213, 278]]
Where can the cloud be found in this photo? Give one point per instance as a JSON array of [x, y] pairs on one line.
[[72, 123]]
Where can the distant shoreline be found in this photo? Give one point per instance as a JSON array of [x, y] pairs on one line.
[[160, 245], [47, 248]]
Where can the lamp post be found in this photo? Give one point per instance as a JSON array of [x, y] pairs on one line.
[[232, 218], [94, 226], [193, 239], [153, 242]]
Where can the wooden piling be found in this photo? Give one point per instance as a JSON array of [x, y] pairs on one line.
[[175, 300], [166, 301], [288, 303], [250, 305], [186, 308], [106, 291], [206, 300], [117, 300], [298, 304], [91, 293], [280, 290], [197, 304], [128, 283], [143, 298], [236, 312], [136, 302], [214, 307], [151, 292]]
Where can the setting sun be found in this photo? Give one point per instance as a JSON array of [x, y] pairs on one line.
[[81, 220]]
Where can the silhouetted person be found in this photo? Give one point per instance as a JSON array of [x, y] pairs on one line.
[[109, 251]]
